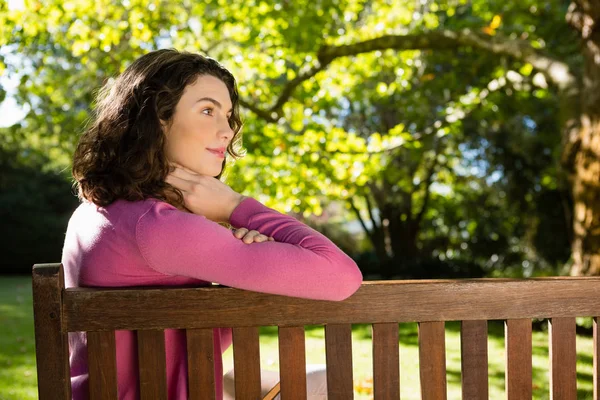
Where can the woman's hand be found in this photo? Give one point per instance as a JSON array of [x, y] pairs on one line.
[[251, 236], [205, 195]]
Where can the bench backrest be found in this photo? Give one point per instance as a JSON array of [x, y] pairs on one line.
[[149, 311]]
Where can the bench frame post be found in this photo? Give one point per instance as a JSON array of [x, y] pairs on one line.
[[54, 380]]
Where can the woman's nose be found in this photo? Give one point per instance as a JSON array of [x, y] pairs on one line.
[[226, 130]]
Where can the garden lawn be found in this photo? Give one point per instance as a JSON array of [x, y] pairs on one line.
[[18, 376], [18, 380]]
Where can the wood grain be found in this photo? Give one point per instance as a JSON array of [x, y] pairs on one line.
[[292, 362], [246, 363], [338, 353], [563, 359], [386, 361], [51, 341], [518, 359], [102, 365], [474, 359], [201, 368], [432, 360], [374, 302], [152, 364], [596, 359], [383, 304]]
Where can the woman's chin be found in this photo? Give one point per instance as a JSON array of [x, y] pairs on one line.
[[212, 174]]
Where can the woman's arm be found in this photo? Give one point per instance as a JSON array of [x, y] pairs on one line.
[[301, 262]]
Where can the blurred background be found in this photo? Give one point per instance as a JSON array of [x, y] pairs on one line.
[[428, 139]]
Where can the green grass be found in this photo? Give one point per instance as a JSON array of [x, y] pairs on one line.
[[18, 380], [409, 360], [18, 376]]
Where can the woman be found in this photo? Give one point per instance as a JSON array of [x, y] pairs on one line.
[[147, 171]]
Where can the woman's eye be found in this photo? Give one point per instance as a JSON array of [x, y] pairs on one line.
[[207, 111]]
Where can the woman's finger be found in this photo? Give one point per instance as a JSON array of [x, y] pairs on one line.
[[240, 232], [261, 238], [250, 236]]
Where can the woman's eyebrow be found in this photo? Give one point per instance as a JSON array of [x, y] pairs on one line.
[[215, 102]]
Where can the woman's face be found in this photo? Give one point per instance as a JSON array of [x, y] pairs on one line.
[[200, 131]]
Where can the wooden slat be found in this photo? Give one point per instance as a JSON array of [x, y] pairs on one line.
[[246, 363], [386, 361], [563, 359], [292, 362], [102, 364], [51, 346], [474, 359], [432, 360], [152, 364], [274, 392], [338, 352], [518, 359], [596, 360], [201, 369], [374, 302]]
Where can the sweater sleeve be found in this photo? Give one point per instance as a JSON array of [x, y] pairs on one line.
[[301, 262]]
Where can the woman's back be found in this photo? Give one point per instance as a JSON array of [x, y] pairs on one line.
[[101, 248], [152, 243]]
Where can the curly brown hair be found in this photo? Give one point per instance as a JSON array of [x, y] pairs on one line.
[[121, 155]]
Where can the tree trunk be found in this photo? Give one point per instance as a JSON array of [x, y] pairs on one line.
[[402, 238], [584, 15], [378, 233], [378, 242]]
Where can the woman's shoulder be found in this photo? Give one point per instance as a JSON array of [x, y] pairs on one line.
[[118, 210], [138, 205]]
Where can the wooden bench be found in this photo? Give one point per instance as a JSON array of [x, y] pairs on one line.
[[383, 304]]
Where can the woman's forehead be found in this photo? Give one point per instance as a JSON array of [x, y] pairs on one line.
[[209, 86]]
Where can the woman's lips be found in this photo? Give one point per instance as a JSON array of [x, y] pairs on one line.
[[217, 153]]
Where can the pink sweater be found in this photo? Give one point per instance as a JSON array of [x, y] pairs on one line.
[[152, 243]]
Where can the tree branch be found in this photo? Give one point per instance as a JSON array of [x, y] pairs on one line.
[[556, 70], [370, 209], [290, 86], [274, 113], [273, 117], [362, 222], [264, 114], [379, 197], [427, 185]]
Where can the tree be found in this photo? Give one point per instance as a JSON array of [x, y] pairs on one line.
[[366, 102], [35, 206]]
